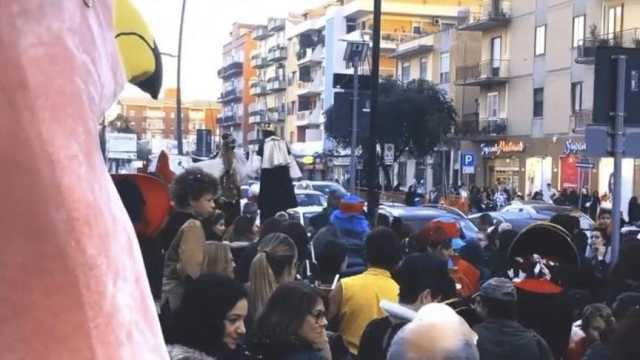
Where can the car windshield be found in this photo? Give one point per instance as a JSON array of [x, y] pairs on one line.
[[310, 199], [326, 188], [417, 223], [307, 216]]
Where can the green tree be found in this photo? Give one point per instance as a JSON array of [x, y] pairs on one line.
[[413, 116]]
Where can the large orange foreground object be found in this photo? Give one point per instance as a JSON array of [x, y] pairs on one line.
[[72, 282]]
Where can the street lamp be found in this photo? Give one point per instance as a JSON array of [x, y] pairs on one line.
[[355, 52]]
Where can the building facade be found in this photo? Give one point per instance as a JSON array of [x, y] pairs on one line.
[[237, 73], [536, 91]]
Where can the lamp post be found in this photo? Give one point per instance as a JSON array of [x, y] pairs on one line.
[[355, 53], [178, 87]]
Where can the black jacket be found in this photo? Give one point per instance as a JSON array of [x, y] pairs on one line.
[[265, 350], [507, 340], [376, 338]]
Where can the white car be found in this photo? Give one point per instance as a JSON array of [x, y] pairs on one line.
[[302, 215], [310, 198]]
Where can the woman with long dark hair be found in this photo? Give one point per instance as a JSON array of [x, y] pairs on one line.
[[292, 325], [210, 319]]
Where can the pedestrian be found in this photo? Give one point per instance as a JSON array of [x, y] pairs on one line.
[[500, 336], [625, 274], [323, 218], [215, 226], [209, 323], [423, 279], [356, 300], [298, 234], [594, 205], [597, 325], [598, 260], [634, 210], [292, 325], [218, 259], [605, 215], [352, 227], [273, 265], [277, 168], [624, 343], [331, 261], [549, 194], [242, 231], [248, 253], [193, 193], [410, 196], [437, 333]]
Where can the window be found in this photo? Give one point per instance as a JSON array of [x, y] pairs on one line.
[[351, 25], [493, 106], [576, 97], [406, 71], [423, 68], [538, 103], [614, 21], [444, 68], [541, 35], [578, 30], [496, 55], [416, 28]]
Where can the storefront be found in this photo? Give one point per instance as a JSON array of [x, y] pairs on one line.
[[503, 163]]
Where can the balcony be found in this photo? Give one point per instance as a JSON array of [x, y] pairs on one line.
[[230, 95], [275, 85], [473, 127], [232, 69], [257, 118], [258, 88], [310, 56], [276, 24], [490, 72], [586, 50], [314, 88], [279, 115], [229, 119], [257, 107], [580, 119], [258, 61], [310, 117], [492, 14], [277, 53], [493, 126], [261, 32]]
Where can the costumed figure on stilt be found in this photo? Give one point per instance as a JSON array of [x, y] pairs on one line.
[[544, 262], [231, 168], [277, 168]]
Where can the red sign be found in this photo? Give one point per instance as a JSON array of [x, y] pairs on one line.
[[568, 172]]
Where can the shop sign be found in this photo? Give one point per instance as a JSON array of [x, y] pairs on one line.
[[502, 146], [574, 147]]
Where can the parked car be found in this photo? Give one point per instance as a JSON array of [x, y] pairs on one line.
[[310, 198], [543, 211], [417, 216], [517, 220], [321, 186], [302, 214]]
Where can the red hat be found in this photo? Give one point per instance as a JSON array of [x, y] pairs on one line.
[[438, 231], [156, 198], [352, 205]]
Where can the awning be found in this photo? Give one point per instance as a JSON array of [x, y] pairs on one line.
[[308, 148]]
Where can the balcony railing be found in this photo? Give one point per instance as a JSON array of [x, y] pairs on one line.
[[309, 56], [257, 118], [230, 70], [492, 14], [276, 84], [258, 89], [493, 126], [469, 125], [231, 94], [277, 53], [490, 72], [259, 61], [586, 50], [316, 87], [580, 119], [257, 107], [276, 24], [261, 33], [229, 119], [278, 115]]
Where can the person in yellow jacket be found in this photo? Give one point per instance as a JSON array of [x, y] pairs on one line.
[[355, 300]]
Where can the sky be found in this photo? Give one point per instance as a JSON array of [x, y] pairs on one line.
[[206, 30]]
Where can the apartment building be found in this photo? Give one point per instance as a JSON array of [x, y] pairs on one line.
[[237, 73], [434, 57], [319, 41], [536, 90], [269, 85]]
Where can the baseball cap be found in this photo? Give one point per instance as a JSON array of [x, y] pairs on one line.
[[499, 289]]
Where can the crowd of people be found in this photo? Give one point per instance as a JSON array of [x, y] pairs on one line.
[[350, 291]]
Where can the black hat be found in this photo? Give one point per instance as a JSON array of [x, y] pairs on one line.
[[419, 272]]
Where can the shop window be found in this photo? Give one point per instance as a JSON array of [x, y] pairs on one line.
[[538, 102]]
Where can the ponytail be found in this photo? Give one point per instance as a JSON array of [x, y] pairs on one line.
[[274, 264]]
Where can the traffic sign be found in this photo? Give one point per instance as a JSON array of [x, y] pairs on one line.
[[468, 161], [389, 154]]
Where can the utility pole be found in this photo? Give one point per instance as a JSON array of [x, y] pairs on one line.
[[354, 129], [373, 196], [178, 85], [618, 150]]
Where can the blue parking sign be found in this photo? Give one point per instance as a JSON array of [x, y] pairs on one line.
[[468, 163]]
